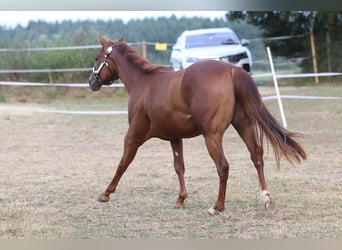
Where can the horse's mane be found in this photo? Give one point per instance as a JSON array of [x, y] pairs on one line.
[[135, 59]]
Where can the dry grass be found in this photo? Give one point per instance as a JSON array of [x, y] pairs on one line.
[[53, 167]]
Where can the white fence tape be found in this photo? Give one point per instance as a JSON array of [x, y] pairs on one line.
[[9, 71], [120, 85], [272, 97], [125, 112], [75, 112], [300, 75], [10, 107], [96, 46], [37, 84]]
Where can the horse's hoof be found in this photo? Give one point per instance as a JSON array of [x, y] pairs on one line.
[[270, 206], [213, 211], [180, 205], [103, 198]]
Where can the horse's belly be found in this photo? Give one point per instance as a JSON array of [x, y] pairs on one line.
[[174, 126]]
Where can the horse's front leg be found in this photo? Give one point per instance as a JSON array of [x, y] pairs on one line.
[[177, 148], [131, 146]]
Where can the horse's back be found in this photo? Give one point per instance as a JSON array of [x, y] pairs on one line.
[[208, 72]]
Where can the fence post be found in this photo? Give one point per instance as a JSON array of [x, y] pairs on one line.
[[313, 52], [144, 50], [276, 88]]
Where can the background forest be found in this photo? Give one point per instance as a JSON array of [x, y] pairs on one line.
[[286, 32]]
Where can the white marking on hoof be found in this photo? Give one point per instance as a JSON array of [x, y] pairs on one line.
[[176, 154], [269, 204], [270, 207], [212, 211], [265, 195]]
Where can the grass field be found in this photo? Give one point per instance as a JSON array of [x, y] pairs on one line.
[[53, 167]]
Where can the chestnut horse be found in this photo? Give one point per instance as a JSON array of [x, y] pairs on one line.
[[203, 99]]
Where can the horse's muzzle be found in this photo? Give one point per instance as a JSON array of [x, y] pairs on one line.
[[94, 83]]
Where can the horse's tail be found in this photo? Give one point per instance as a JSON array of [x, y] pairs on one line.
[[263, 122]]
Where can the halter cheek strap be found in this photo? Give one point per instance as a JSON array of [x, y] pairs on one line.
[[105, 62]]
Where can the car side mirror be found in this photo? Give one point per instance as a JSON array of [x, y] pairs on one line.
[[244, 42]]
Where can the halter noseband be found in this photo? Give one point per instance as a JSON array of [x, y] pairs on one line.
[[96, 72]]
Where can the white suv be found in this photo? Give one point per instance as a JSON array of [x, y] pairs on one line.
[[210, 44]]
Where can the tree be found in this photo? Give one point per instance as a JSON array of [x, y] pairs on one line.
[[327, 28]]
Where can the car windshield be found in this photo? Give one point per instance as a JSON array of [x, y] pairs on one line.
[[211, 39]]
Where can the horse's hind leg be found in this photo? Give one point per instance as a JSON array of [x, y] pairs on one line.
[[177, 148], [245, 129], [215, 149]]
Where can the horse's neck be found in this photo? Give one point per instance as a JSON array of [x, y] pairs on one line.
[[129, 74]]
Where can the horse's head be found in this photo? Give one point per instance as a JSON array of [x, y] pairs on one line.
[[104, 71]]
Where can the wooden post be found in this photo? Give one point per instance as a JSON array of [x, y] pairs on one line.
[[144, 50], [328, 50], [313, 52], [328, 53]]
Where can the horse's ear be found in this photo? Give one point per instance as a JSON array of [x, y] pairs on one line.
[[102, 40], [122, 38]]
